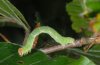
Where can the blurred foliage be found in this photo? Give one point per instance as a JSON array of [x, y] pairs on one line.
[[81, 13]]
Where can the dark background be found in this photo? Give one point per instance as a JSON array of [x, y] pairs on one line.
[[52, 13]]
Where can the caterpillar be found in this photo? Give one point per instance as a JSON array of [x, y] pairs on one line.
[[26, 48]]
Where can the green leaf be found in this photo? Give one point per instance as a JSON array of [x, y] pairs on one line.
[[93, 53], [61, 60], [93, 5], [79, 23], [82, 61], [11, 16], [9, 56], [78, 9], [6, 21], [75, 9], [17, 12], [8, 10]]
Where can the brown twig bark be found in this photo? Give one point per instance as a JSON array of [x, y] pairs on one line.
[[4, 38], [77, 43]]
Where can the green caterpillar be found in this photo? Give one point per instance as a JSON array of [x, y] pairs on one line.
[[43, 29]]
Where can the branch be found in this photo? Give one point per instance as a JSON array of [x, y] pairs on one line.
[[4, 38], [77, 43]]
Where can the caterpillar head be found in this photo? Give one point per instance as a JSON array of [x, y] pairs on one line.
[[20, 51]]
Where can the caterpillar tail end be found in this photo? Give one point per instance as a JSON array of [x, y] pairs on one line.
[[20, 51]]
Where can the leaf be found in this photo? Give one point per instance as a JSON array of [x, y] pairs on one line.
[[82, 61], [79, 23], [93, 5], [63, 60], [7, 21], [93, 53], [78, 9], [8, 10], [11, 16], [17, 12], [75, 9], [9, 56]]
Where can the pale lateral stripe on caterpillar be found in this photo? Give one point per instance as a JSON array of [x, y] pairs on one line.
[[43, 29]]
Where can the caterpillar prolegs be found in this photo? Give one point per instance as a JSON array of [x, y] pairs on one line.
[[26, 48]]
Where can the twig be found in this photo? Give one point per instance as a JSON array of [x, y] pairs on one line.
[[5, 38], [77, 43]]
